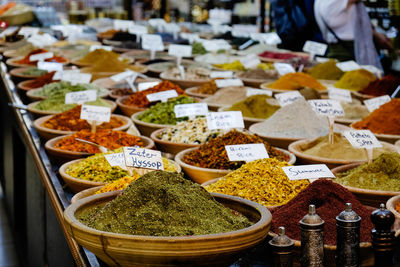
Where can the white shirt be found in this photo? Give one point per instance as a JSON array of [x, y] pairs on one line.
[[339, 17]]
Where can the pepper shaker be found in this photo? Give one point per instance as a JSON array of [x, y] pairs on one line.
[[282, 249], [348, 238], [312, 239], [383, 237]]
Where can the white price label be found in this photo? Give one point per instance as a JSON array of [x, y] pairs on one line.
[[339, 94], [162, 96], [143, 158], [362, 139], [123, 25], [284, 68], [50, 66], [180, 50], [251, 92], [348, 65], [376, 102], [95, 113], [221, 74], [247, 152], [250, 61], [41, 56], [115, 159], [147, 85], [228, 82], [8, 31], [138, 30], [191, 37], [188, 110], [225, 120], [271, 38], [123, 75], [288, 98], [215, 45], [75, 78], [152, 42], [28, 31], [314, 171], [330, 108], [59, 74], [315, 48], [104, 47], [80, 97]]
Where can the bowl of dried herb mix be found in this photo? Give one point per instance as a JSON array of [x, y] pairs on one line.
[[162, 243], [26, 73]]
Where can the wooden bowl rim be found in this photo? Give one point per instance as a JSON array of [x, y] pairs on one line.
[[11, 62], [120, 103], [17, 72], [164, 76], [79, 64], [31, 93], [148, 124], [155, 137], [190, 91]]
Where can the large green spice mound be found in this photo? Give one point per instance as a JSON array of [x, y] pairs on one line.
[[164, 204], [383, 173]]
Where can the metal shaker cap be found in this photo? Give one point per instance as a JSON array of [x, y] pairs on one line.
[[281, 240], [312, 219], [348, 216]]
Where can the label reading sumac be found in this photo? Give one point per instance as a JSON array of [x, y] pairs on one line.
[[314, 171]]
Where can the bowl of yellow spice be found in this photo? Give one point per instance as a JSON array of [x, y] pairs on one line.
[[294, 81]]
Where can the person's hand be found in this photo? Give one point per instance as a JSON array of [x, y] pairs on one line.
[[382, 41]]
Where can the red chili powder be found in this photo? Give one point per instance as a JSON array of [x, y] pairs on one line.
[[385, 86], [42, 80], [329, 199]]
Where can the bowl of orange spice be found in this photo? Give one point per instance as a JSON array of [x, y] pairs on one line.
[[27, 62], [69, 122]]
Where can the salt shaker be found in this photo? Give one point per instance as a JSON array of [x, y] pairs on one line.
[[282, 249], [383, 237], [312, 239], [348, 238]]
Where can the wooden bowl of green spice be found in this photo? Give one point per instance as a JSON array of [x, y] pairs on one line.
[[196, 250], [146, 128]]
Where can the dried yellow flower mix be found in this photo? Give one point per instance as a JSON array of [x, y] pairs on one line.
[[262, 181], [119, 184]]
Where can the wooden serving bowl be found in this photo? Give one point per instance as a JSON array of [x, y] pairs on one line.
[[110, 84], [47, 133], [192, 92], [295, 148], [146, 128], [23, 86], [167, 146], [31, 94], [65, 155], [38, 113], [201, 250], [201, 175], [390, 205], [11, 63], [78, 185], [390, 138], [367, 197], [127, 110], [184, 83], [17, 74], [85, 193]]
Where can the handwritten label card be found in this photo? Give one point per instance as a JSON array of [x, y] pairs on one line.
[[189, 110], [75, 78], [339, 94], [123, 75], [115, 159], [146, 85], [191, 37], [143, 158], [138, 30], [80, 97], [228, 82], [362, 139], [251, 92], [250, 61], [41, 56], [162, 96], [376, 102], [348, 65], [315, 48], [330, 108], [314, 171], [104, 47], [225, 120], [247, 152], [50, 66], [221, 74], [284, 68], [180, 50], [28, 31], [152, 42], [95, 113], [288, 98]]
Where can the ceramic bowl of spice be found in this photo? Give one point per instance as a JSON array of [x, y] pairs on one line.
[[26, 73], [294, 81], [254, 78], [330, 199], [225, 97], [341, 152], [64, 148], [189, 245], [37, 83], [99, 54], [353, 113], [204, 90], [210, 160], [393, 204], [146, 128], [372, 183], [18, 62], [68, 122], [95, 171], [192, 77]]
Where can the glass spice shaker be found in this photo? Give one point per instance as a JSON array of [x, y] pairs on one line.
[[312, 239], [282, 249], [348, 238]]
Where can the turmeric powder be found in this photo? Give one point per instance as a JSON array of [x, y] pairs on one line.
[[296, 81], [355, 80]]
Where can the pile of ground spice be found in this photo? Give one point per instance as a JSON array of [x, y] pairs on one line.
[[110, 63], [108, 138], [329, 199], [164, 204], [208, 88], [258, 74], [26, 60], [96, 55], [326, 71], [277, 55], [213, 154], [70, 121], [382, 174], [226, 96], [355, 80], [262, 181], [385, 86], [384, 120], [296, 81], [255, 106], [41, 81]]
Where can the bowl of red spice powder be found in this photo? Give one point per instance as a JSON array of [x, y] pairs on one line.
[[37, 83]]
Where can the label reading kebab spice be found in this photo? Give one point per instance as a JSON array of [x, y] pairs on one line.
[[362, 139]]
